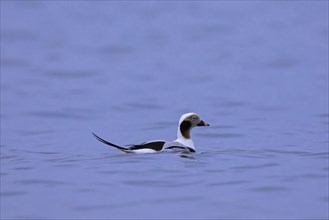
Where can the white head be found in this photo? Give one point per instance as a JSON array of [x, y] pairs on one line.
[[186, 123]]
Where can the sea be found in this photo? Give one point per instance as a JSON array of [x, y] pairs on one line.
[[256, 71]]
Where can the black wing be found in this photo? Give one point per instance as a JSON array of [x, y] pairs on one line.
[[154, 145]]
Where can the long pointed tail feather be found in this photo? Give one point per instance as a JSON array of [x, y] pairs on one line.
[[109, 143]]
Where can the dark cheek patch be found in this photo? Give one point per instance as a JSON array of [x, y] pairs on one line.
[[185, 127]]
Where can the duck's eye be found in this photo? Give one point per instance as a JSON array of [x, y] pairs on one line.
[[193, 117]]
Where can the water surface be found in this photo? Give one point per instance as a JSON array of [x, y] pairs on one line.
[[256, 71]]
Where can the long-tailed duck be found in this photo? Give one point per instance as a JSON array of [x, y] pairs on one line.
[[183, 142]]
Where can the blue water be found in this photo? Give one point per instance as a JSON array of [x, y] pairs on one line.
[[256, 71]]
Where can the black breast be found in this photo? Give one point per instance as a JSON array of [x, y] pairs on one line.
[[185, 127]]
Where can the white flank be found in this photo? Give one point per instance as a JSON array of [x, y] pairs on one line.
[[144, 151]]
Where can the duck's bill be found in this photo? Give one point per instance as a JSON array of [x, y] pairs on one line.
[[202, 123]]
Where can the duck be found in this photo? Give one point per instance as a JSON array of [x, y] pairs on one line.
[[183, 143]]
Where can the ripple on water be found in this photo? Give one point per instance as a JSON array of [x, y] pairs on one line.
[[14, 63], [134, 203], [23, 168], [35, 152], [322, 115], [8, 157], [57, 115], [160, 183], [86, 190], [228, 183], [13, 159], [282, 63], [115, 49], [69, 74], [298, 178], [16, 36], [320, 155], [266, 189], [252, 167], [176, 199], [245, 153], [287, 152], [102, 206], [42, 182], [12, 193]]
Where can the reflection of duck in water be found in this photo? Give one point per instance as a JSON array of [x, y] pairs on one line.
[[183, 142]]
